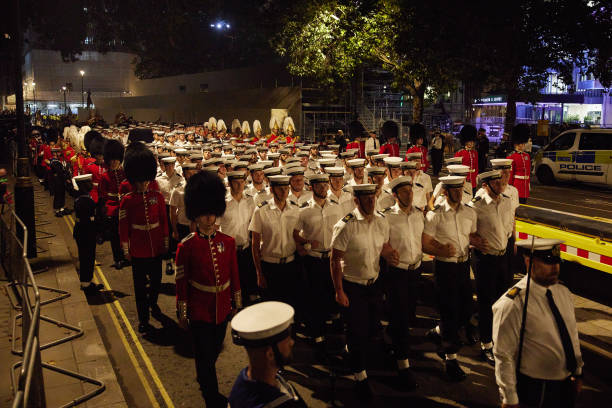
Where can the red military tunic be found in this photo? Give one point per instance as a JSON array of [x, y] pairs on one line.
[[521, 171], [96, 171], [109, 190], [47, 155], [392, 149], [469, 158], [424, 161], [68, 154], [143, 224], [126, 187], [207, 276]]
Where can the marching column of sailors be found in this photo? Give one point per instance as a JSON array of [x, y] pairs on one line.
[[275, 220]]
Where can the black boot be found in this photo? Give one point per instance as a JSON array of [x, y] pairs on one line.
[[454, 371]]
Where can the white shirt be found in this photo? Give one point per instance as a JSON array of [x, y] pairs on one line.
[[372, 143], [512, 193], [300, 201], [345, 201], [405, 234], [384, 200], [276, 228], [259, 196], [436, 142], [420, 193], [493, 218], [448, 226], [235, 221], [177, 199], [543, 356], [317, 223], [167, 184], [466, 198], [361, 241]]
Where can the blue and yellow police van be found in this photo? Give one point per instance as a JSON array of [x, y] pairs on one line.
[[583, 155]]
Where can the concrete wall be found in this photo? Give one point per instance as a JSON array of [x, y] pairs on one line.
[[260, 76], [244, 104]]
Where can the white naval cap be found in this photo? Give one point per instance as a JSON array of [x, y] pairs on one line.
[[329, 156], [380, 156], [414, 155], [362, 189], [273, 155], [262, 324], [400, 182], [189, 166], [81, 178], [501, 163], [453, 160], [243, 164], [233, 175], [335, 171], [181, 151], [256, 166], [377, 171], [393, 161], [409, 164], [211, 169], [279, 180], [318, 178], [294, 171], [168, 160], [267, 163], [452, 181], [548, 250], [371, 152], [272, 171], [326, 162], [489, 175], [458, 169], [356, 163]]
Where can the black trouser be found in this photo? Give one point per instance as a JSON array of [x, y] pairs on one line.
[[207, 342], [482, 163], [364, 307], [59, 191], [514, 261], [85, 238], [533, 392], [283, 282], [183, 231], [454, 290], [523, 200], [491, 282], [320, 292], [113, 224], [401, 287], [146, 271], [436, 159], [248, 276], [171, 241]]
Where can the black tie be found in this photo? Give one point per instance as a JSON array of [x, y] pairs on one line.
[[568, 348]]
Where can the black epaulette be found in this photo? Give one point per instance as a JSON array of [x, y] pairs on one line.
[[476, 199], [188, 237], [293, 203], [381, 213], [418, 185], [262, 204], [505, 195], [387, 209], [513, 292], [304, 205], [436, 207], [420, 209], [467, 192], [348, 217]]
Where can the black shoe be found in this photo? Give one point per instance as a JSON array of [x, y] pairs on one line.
[[156, 311], [218, 401], [169, 269], [434, 337], [364, 390], [117, 265], [487, 355], [471, 334], [67, 211], [59, 214], [92, 288], [125, 263], [454, 371], [99, 240], [144, 327], [407, 379]]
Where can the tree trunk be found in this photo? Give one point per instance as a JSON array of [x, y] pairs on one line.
[[417, 91], [511, 100]]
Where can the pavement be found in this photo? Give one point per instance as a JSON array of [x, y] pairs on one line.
[[158, 369], [86, 354]]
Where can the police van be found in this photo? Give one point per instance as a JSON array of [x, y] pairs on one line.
[[577, 155]]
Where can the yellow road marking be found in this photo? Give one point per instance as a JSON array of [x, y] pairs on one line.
[[571, 205], [143, 354]]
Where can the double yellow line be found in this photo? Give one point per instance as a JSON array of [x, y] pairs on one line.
[[143, 355]]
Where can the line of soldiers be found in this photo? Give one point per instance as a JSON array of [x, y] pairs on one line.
[[252, 223]]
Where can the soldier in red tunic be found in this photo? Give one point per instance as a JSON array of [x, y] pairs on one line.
[[469, 155], [521, 162], [390, 131], [417, 137], [110, 199], [207, 280], [143, 231], [95, 147]]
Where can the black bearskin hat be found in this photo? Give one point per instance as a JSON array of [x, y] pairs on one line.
[[141, 135], [389, 130], [113, 150], [520, 134], [467, 134], [204, 194], [51, 135], [96, 146], [139, 163], [417, 131], [89, 136], [356, 129]]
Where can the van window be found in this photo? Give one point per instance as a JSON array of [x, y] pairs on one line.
[[595, 141], [563, 142]]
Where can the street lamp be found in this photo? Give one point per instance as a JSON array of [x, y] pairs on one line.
[[65, 105], [82, 97]]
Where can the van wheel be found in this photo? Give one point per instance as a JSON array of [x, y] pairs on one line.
[[545, 175]]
